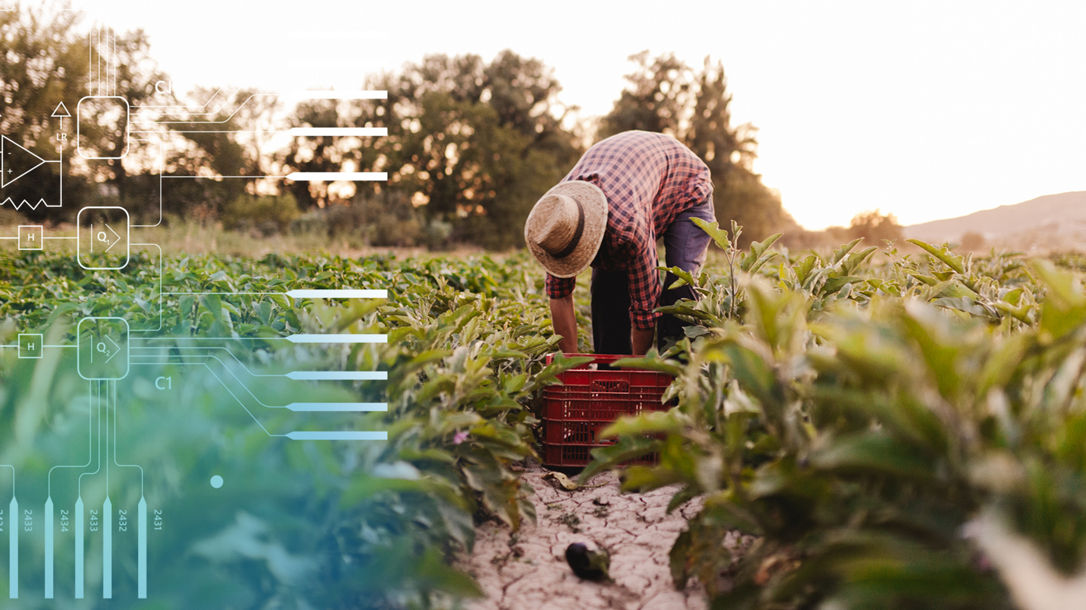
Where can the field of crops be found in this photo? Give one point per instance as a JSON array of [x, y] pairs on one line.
[[334, 525], [896, 429]]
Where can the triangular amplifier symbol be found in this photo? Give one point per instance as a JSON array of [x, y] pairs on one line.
[[15, 161]]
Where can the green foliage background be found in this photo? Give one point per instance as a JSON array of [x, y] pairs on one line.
[[885, 424], [296, 524], [895, 430]]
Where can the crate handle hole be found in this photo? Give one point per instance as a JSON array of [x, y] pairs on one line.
[[611, 385]]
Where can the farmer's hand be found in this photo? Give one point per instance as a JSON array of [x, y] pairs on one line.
[[565, 323]]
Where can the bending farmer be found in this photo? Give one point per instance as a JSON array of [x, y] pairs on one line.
[[608, 212]]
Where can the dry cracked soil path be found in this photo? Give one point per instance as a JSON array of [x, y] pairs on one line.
[[528, 570]]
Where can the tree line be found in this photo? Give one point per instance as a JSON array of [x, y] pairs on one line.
[[471, 145]]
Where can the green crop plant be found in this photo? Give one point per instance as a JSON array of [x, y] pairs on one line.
[[879, 428], [325, 525], [893, 428]]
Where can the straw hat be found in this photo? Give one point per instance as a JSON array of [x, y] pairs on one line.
[[565, 228]]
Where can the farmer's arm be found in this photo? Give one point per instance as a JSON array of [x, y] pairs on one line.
[[643, 280], [560, 291], [565, 322], [641, 340]]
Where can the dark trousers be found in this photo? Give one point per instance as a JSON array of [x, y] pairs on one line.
[[684, 247]]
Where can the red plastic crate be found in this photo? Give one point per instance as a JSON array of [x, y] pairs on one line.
[[589, 400]]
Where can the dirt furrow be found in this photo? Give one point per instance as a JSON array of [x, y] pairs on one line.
[[528, 569]]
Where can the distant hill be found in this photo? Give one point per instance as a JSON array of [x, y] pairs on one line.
[[1060, 218]]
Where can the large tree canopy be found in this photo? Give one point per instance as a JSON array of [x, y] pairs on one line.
[[665, 95], [471, 143], [477, 143], [45, 64]]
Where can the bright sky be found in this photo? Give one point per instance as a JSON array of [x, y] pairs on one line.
[[927, 109]]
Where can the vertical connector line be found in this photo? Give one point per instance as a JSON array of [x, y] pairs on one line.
[[141, 508], [90, 62], [112, 62], [141, 553], [49, 548], [13, 549], [107, 549], [98, 58], [107, 515], [79, 548]]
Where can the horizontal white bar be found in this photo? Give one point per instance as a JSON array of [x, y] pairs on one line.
[[333, 176], [338, 435], [369, 132], [338, 375], [327, 36], [330, 407], [333, 94], [337, 338]]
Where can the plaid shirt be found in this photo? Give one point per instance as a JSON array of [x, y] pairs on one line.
[[648, 179]]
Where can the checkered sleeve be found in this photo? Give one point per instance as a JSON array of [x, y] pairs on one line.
[[643, 280], [560, 287]]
